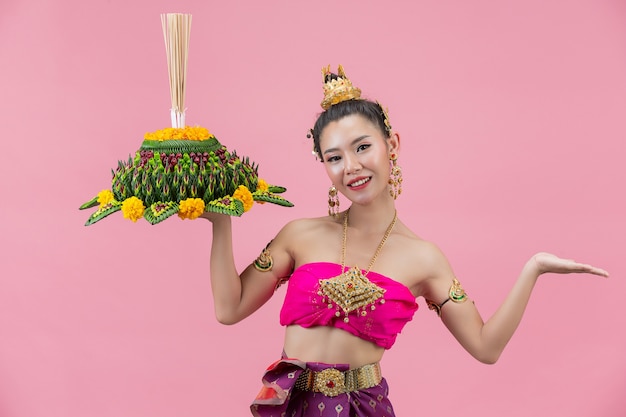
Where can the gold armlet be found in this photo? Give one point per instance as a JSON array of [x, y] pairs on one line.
[[456, 293], [264, 262]]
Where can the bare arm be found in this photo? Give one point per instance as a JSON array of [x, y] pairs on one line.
[[486, 340], [235, 295]]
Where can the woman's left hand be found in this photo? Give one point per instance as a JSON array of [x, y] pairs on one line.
[[546, 262]]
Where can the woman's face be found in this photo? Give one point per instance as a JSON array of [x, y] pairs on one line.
[[356, 156]]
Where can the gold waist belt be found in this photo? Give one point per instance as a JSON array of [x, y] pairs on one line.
[[332, 382]]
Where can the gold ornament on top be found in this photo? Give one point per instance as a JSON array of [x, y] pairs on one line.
[[337, 89]]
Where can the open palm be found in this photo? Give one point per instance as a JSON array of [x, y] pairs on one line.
[[547, 262]]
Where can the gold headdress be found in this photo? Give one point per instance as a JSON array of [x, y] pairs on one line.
[[337, 88]]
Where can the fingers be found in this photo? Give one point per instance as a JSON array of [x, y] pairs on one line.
[[588, 269], [550, 263], [595, 271]]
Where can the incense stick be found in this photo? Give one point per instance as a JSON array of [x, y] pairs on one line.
[[176, 32]]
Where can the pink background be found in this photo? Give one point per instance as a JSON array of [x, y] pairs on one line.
[[512, 116]]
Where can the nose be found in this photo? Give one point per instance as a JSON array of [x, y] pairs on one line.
[[351, 164]]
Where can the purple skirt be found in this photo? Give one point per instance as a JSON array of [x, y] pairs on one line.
[[279, 397]]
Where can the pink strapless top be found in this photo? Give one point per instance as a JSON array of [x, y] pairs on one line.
[[306, 306]]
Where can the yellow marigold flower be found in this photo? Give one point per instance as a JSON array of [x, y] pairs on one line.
[[262, 185], [105, 197], [179, 133], [191, 208], [245, 196], [133, 208]]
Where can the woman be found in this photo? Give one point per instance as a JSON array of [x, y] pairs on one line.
[[341, 318]]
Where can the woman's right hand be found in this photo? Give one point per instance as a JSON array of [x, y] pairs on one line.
[[214, 217]]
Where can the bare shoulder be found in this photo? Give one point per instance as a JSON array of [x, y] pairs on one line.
[[422, 261], [299, 228], [311, 239], [421, 252]]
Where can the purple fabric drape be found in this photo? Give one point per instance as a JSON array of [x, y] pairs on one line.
[[279, 398]]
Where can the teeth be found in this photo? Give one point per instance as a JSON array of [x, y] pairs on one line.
[[359, 182]]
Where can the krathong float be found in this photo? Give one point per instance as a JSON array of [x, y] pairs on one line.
[[182, 170]]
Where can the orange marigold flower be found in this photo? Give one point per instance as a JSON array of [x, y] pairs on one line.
[[262, 185], [191, 208], [180, 133], [105, 197], [133, 208], [245, 196]]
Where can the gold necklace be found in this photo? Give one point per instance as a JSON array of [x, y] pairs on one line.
[[351, 290]]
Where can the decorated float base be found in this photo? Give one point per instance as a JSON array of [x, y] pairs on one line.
[[184, 171]]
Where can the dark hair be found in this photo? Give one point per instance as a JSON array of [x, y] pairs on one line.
[[368, 109]]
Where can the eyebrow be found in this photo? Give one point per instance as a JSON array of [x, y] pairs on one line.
[[360, 138]]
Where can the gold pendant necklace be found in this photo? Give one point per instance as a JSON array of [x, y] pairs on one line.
[[351, 290]]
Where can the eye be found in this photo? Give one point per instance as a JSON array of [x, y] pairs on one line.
[[362, 147], [333, 158]]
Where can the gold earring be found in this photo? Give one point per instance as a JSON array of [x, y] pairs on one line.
[[395, 177], [333, 202]]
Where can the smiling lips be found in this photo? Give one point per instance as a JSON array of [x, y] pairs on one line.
[[359, 182]]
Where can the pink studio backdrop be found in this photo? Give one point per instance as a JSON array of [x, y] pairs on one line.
[[512, 122]]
